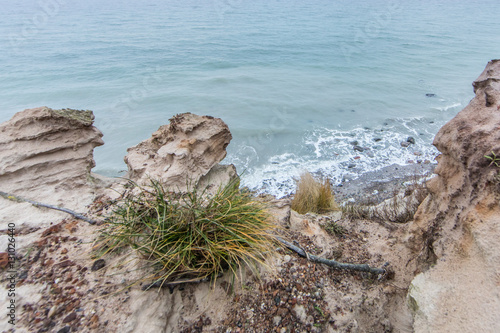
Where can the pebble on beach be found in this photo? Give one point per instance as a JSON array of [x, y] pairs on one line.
[[98, 264]]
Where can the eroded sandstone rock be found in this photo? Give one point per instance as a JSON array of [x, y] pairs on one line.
[[457, 228], [47, 154], [181, 153]]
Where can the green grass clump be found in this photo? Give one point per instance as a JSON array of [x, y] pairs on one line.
[[192, 235], [333, 228], [494, 159], [313, 196]]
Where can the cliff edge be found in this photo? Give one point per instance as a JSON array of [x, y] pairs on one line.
[[457, 227]]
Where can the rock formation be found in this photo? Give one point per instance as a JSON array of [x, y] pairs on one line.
[[47, 154], [183, 153], [459, 222]]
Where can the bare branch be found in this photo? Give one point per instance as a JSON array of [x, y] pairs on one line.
[[332, 263], [39, 204]]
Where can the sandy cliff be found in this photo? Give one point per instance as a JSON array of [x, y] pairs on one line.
[[48, 154], [182, 153], [457, 228]]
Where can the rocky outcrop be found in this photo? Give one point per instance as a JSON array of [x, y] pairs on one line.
[[459, 222], [47, 154], [183, 153]]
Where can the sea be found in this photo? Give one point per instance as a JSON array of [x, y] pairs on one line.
[[299, 83]]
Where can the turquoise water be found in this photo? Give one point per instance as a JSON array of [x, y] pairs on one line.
[[296, 81]]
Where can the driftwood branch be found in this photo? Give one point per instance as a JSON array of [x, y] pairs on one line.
[[332, 263], [39, 204]]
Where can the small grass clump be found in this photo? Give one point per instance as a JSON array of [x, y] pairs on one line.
[[333, 228], [493, 158], [189, 236], [313, 196]]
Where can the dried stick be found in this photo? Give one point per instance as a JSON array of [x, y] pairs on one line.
[[39, 204], [332, 263], [173, 284]]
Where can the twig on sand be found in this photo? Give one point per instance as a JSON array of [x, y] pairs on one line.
[[40, 204], [162, 283], [332, 263], [172, 285]]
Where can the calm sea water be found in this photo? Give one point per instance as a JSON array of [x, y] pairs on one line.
[[296, 81]]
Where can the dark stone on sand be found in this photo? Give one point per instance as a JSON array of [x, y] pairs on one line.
[[70, 317], [411, 140], [23, 275], [352, 165], [354, 143], [405, 144], [66, 263], [358, 148], [37, 256], [430, 95], [98, 264], [65, 329], [377, 139]]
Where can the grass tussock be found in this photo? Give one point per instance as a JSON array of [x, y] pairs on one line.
[[334, 229], [189, 236], [313, 196]]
